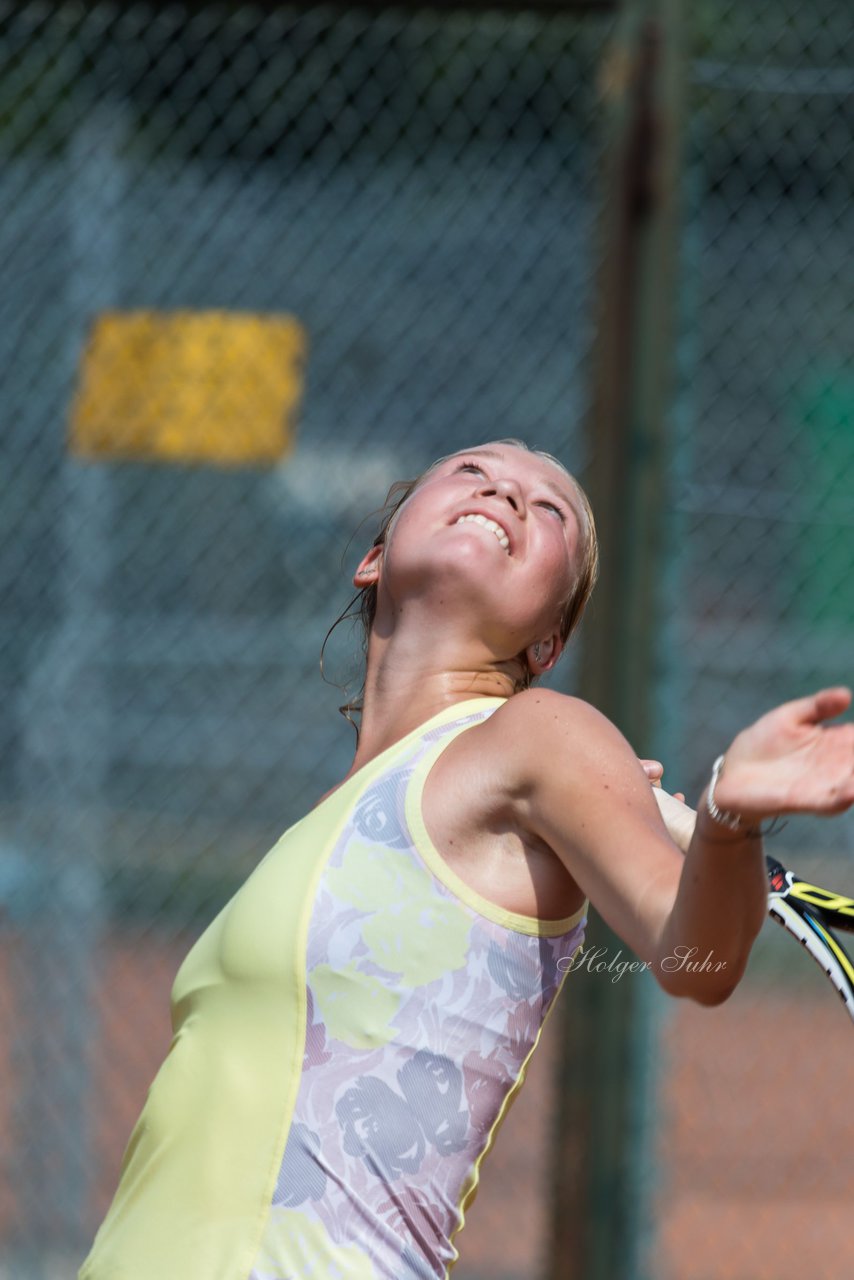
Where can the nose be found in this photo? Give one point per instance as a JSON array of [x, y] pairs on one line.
[[508, 489]]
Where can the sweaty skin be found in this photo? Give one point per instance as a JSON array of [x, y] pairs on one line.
[[547, 799], [352, 1027]]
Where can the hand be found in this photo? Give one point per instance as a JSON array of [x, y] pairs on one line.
[[790, 762], [654, 770], [679, 818]]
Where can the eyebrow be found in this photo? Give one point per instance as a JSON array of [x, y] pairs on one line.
[[549, 484]]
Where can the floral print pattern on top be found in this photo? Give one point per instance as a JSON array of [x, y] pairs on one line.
[[421, 1012]]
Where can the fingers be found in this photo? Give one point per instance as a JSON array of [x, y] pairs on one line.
[[823, 705], [653, 769]]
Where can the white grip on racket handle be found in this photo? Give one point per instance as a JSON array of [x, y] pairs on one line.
[[680, 819]]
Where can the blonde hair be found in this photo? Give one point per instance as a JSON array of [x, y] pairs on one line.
[[365, 600]]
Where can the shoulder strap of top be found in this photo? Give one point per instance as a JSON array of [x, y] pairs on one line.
[[430, 747]]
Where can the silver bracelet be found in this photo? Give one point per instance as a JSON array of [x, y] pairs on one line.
[[734, 821]]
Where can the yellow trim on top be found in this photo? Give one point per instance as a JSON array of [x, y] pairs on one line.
[[512, 920], [472, 1183], [363, 777], [293, 1074]]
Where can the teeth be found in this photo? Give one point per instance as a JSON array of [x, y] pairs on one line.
[[491, 526]]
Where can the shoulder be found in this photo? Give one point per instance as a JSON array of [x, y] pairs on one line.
[[547, 705], [497, 761], [557, 773], [541, 732], [578, 786], [542, 753], [567, 772]]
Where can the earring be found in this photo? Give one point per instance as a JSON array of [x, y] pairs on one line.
[[536, 653]]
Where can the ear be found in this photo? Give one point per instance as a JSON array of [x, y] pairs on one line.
[[550, 650], [369, 568]]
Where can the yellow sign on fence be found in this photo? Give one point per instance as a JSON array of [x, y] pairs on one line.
[[216, 387]]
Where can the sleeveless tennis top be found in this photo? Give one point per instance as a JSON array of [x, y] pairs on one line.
[[349, 1033]]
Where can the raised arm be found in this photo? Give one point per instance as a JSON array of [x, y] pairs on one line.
[[582, 790]]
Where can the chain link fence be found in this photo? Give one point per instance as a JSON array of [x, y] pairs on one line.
[[418, 189], [761, 610]]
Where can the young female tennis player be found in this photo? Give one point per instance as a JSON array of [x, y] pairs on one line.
[[351, 1029]]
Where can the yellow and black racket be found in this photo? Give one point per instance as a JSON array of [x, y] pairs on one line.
[[811, 914]]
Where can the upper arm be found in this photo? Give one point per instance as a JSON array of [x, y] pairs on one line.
[[579, 786]]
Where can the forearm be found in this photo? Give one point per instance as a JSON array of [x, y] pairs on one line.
[[720, 905]]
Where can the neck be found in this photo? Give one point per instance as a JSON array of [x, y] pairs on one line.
[[399, 697]]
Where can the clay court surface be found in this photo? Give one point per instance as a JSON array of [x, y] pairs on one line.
[[756, 1140]]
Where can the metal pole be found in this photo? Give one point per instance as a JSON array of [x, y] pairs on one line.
[[65, 724], [603, 1164]]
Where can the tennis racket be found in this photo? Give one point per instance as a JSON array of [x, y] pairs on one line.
[[810, 914]]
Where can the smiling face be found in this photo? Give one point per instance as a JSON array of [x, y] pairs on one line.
[[486, 542]]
